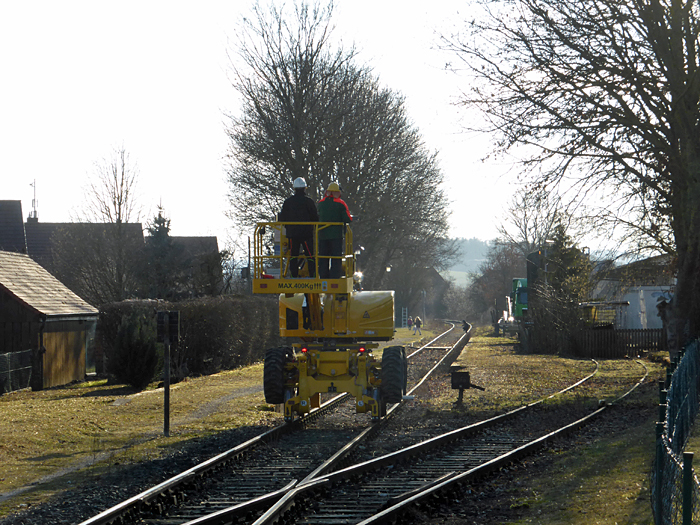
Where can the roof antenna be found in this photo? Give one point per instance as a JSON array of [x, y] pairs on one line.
[[33, 214]]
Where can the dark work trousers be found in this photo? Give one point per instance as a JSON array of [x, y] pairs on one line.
[[330, 247], [308, 244]]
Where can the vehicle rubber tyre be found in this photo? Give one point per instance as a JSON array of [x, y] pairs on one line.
[[393, 374], [273, 375]]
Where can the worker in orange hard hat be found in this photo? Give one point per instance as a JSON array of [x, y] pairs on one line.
[[330, 239]]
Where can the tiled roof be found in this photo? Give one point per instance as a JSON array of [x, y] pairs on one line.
[[38, 289], [12, 237]]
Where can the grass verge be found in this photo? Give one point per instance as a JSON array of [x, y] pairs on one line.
[[62, 437], [604, 477]]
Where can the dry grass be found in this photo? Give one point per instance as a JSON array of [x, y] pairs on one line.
[[92, 424], [604, 478], [61, 436], [98, 426]]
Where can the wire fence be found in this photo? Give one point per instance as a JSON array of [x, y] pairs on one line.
[[675, 491], [15, 371]]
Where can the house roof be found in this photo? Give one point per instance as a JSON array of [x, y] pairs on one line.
[[40, 235], [36, 288], [652, 271], [195, 246], [12, 238]]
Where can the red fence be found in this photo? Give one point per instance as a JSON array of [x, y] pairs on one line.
[[611, 343]]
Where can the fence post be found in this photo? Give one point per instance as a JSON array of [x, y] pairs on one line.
[[659, 473], [687, 488]]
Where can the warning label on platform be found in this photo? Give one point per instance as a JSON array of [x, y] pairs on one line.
[[300, 286]]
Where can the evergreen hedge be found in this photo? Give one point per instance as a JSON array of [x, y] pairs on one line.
[[216, 333]]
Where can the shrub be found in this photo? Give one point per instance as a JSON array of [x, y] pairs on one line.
[[134, 359], [216, 333]]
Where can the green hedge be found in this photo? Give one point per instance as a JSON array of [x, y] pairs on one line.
[[216, 333], [134, 357]]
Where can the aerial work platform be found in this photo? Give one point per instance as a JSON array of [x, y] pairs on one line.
[[272, 256], [337, 323]]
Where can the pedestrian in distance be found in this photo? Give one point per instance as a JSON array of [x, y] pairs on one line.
[[416, 325], [330, 239], [300, 208], [410, 322]]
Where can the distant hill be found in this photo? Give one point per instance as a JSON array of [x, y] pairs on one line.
[[472, 254]]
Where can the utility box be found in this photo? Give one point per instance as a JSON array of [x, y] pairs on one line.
[[461, 380]]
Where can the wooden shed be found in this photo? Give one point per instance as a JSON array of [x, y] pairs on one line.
[[41, 316]]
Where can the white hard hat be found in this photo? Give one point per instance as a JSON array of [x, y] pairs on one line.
[[299, 182]]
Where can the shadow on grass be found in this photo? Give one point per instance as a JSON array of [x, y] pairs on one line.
[[120, 390], [48, 457]]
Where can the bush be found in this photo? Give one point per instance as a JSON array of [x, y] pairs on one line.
[[556, 322], [134, 359], [216, 333]]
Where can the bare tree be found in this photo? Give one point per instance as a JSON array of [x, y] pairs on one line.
[[293, 89], [605, 96], [110, 197], [531, 220], [309, 111], [101, 257], [494, 279]]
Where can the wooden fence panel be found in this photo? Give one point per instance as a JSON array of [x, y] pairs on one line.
[[64, 360], [609, 343]]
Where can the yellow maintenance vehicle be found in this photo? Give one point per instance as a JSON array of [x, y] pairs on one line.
[[337, 326]]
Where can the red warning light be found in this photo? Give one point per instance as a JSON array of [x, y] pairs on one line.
[[362, 349], [304, 350]]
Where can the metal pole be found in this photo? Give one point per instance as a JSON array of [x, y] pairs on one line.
[[659, 473], [687, 488], [166, 378], [250, 271], [662, 391]]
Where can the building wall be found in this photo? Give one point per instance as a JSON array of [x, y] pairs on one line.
[[64, 360], [17, 336], [642, 311]]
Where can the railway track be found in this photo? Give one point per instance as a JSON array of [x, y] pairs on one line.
[[381, 490], [250, 477], [259, 483]]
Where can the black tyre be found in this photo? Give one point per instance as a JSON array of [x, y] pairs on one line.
[[273, 375], [393, 374]]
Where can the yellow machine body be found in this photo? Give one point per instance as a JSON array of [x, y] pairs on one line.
[[366, 316], [353, 371]]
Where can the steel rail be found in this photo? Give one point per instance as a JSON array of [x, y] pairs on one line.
[[394, 511], [134, 503], [312, 481], [422, 448]]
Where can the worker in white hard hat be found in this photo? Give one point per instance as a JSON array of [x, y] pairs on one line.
[[330, 239], [300, 208]]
